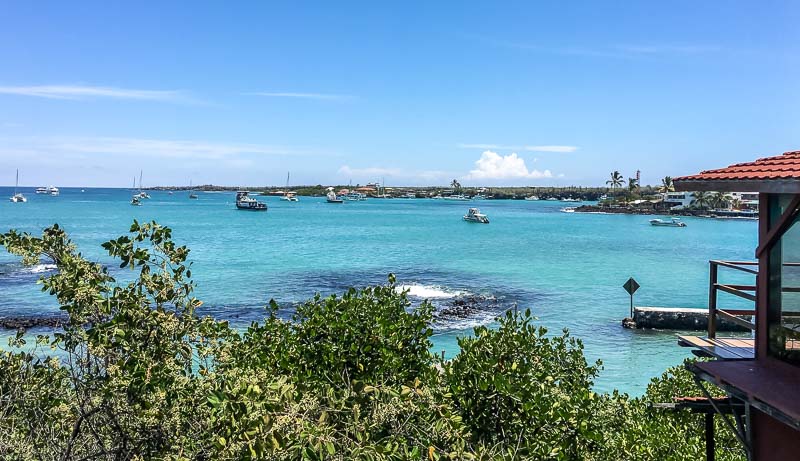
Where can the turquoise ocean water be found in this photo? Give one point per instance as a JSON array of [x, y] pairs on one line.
[[568, 268]]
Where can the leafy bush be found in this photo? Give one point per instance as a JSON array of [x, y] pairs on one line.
[[137, 374]]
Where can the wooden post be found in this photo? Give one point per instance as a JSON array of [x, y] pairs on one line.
[[710, 436], [712, 299]]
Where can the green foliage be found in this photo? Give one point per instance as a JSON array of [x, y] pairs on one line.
[[137, 374]]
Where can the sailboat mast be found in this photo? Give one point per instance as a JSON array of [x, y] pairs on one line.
[[16, 183], [140, 181]]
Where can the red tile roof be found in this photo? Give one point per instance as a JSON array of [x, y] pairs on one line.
[[786, 166]]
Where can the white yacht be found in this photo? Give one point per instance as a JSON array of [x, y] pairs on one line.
[[53, 190], [474, 215], [17, 197], [331, 196], [459, 197], [245, 202], [42, 190], [674, 222]]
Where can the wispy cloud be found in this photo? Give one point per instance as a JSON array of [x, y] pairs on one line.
[[320, 96], [77, 92], [161, 148], [492, 165], [397, 173], [621, 51], [550, 148]]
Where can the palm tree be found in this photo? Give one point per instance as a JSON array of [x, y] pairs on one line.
[[632, 184], [615, 181], [701, 200], [456, 185], [666, 185], [720, 200], [736, 203]]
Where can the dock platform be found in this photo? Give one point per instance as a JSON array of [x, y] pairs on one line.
[[720, 348]]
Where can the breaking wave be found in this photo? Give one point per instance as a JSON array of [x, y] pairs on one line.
[[431, 291]]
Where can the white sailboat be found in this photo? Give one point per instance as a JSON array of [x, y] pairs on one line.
[[289, 196], [17, 197], [142, 194], [135, 198]]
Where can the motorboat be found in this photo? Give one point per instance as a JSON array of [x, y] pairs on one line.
[[474, 215], [53, 190], [674, 222], [17, 197], [331, 196], [409, 195], [570, 199], [42, 190], [354, 196], [459, 197], [532, 197], [135, 200], [245, 202], [479, 197], [568, 209]]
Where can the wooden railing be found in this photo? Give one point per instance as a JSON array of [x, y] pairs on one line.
[[747, 292]]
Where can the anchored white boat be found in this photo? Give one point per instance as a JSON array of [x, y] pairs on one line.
[[458, 197], [245, 202], [192, 195], [142, 194], [41, 190], [135, 201], [674, 222], [479, 197], [17, 197], [475, 215], [53, 190], [331, 196], [289, 196], [532, 197]]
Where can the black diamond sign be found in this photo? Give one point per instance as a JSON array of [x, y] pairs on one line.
[[631, 286]]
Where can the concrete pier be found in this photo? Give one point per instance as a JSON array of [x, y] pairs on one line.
[[676, 318]]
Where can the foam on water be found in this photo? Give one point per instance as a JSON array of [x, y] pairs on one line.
[[430, 291], [41, 268]]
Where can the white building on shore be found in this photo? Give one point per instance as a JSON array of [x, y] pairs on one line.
[[681, 200]]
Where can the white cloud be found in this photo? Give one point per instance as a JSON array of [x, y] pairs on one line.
[[492, 165], [84, 92], [322, 96], [552, 148]]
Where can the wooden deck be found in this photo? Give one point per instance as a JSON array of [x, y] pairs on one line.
[[721, 348]]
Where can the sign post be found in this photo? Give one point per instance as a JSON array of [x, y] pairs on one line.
[[631, 286]]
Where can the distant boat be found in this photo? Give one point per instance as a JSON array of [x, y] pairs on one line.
[[41, 190], [570, 199], [475, 215], [135, 201], [192, 195], [53, 190], [569, 209], [532, 197], [17, 197], [142, 194], [459, 197], [287, 195], [331, 196], [674, 222], [245, 202], [479, 197]]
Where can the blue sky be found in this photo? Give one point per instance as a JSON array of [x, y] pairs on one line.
[[527, 93]]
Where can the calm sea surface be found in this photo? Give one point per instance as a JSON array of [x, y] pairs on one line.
[[568, 268]]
